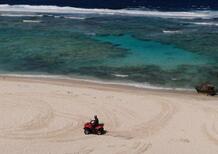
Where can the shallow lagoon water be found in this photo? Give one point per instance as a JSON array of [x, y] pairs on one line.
[[152, 53], [128, 49]]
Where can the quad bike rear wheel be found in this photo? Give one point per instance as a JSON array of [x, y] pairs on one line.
[[99, 132]]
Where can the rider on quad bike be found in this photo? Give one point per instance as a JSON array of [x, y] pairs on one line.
[[93, 127], [95, 122]]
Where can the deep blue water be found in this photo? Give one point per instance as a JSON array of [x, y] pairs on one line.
[[118, 4]]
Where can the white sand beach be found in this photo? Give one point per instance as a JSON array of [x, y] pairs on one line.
[[46, 116]]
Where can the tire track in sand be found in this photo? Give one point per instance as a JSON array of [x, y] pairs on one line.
[[41, 125], [150, 127], [210, 127], [141, 147]]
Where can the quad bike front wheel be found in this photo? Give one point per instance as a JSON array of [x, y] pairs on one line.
[[87, 132]]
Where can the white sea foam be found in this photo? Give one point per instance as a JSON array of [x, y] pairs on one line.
[[120, 75], [75, 18], [57, 16], [32, 21], [98, 81], [91, 34], [73, 10], [172, 31], [19, 15], [206, 23]]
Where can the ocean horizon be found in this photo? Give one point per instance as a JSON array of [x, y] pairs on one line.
[[169, 5], [155, 47]]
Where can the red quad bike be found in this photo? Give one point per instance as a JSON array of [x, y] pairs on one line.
[[90, 129]]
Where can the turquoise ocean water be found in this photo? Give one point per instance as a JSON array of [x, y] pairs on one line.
[[164, 52]]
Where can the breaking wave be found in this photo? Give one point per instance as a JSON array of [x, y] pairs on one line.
[[206, 23], [126, 12], [19, 15]]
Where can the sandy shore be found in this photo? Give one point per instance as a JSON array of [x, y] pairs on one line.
[[46, 116]]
